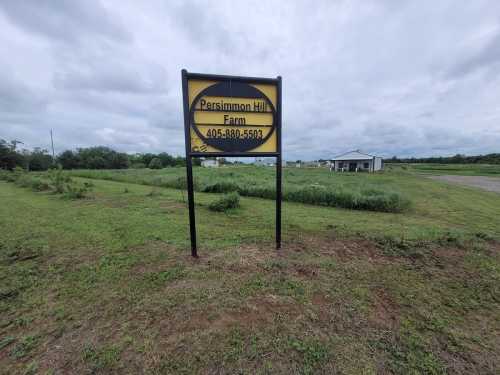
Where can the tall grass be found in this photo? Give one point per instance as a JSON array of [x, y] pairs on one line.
[[254, 182], [56, 181]]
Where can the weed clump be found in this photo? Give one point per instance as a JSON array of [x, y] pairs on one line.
[[56, 181], [226, 202], [33, 183], [11, 176], [74, 191], [24, 347], [221, 187], [63, 184]]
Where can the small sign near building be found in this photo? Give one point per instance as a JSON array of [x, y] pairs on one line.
[[229, 116]]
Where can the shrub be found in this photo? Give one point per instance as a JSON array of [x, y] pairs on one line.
[[226, 202], [75, 191], [33, 183], [6, 175], [23, 181], [221, 187], [58, 179], [39, 185], [11, 176]]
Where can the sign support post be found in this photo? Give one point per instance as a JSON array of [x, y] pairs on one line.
[[231, 116], [278, 167], [189, 167]]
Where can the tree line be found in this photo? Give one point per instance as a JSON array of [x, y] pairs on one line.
[[456, 159], [99, 157]]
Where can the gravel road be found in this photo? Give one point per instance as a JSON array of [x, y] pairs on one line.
[[485, 183]]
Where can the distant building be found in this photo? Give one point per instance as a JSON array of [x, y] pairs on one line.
[[310, 164], [356, 161], [264, 162], [324, 163], [210, 163]]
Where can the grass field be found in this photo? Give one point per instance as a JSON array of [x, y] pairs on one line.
[[106, 284], [312, 186]]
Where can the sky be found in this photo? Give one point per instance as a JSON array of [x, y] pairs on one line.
[[394, 77]]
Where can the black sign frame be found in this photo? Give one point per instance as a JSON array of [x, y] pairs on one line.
[[186, 76]]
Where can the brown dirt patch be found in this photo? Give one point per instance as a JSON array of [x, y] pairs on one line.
[[173, 205], [385, 312], [345, 250], [256, 311]]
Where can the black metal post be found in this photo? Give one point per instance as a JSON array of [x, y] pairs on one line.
[[278, 167], [189, 164], [192, 219], [278, 202]]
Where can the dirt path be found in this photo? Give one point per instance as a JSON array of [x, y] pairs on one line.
[[485, 183]]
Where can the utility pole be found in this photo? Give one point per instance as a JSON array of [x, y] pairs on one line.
[[53, 153]]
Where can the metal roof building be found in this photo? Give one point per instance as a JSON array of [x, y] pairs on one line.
[[357, 161]]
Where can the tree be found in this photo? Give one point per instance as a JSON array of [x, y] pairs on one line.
[[69, 160], [166, 159], [39, 160], [155, 163], [119, 160], [9, 157], [146, 158], [94, 158], [180, 161]]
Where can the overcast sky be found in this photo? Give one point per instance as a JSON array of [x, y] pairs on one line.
[[388, 77]]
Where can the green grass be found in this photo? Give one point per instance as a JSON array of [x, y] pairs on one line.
[[311, 186], [437, 208], [106, 284]]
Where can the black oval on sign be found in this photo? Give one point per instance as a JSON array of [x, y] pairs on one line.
[[230, 89]]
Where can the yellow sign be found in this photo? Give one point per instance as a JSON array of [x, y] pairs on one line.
[[232, 116]]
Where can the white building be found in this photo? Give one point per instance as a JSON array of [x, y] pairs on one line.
[[210, 163], [356, 161], [264, 162]]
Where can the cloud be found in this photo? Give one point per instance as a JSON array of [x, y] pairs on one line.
[[113, 77], [391, 78], [66, 21], [488, 57], [16, 97]]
